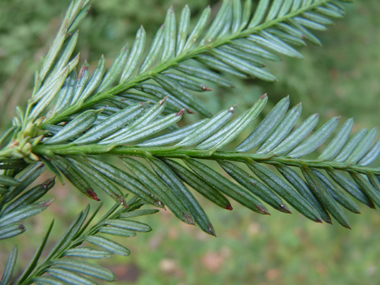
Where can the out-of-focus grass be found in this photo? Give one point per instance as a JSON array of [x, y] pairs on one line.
[[341, 78]]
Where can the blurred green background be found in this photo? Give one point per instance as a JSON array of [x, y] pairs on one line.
[[340, 78]]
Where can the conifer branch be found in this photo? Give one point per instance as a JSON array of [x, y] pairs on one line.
[[256, 48], [96, 117], [131, 111], [273, 141], [65, 263]]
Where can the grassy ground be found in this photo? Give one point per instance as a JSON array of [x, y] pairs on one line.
[[340, 78]]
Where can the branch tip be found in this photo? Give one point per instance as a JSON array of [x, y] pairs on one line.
[[163, 100], [92, 194], [263, 210], [285, 209], [211, 230], [189, 219], [180, 113], [206, 88], [48, 183]]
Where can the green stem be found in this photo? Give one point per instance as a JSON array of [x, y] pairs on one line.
[[173, 62], [175, 152]]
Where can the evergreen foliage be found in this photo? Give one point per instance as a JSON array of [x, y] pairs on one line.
[[131, 111]]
